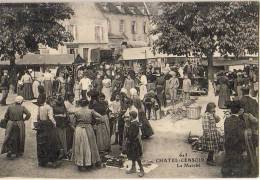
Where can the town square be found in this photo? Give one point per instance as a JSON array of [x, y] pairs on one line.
[[129, 89]]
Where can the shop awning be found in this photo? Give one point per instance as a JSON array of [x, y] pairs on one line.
[[43, 59], [217, 62], [141, 53]]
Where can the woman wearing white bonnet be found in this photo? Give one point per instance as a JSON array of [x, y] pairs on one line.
[[19, 99], [133, 92], [124, 90], [14, 139]]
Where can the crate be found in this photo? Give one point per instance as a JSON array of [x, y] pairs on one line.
[[193, 112]]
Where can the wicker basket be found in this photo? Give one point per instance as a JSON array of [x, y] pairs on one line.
[[193, 112]]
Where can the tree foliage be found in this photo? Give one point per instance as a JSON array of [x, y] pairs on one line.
[[24, 26], [202, 28]]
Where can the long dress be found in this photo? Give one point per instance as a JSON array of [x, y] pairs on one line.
[[48, 143], [251, 141], [210, 138], [15, 130], [47, 81], [234, 164], [102, 127], [62, 86], [35, 86], [146, 127], [85, 150], [62, 124], [126, 115], [134, 147], [107, 88], [143, 88], [129, 84], [27, 87], [224, 94], [71, 109]]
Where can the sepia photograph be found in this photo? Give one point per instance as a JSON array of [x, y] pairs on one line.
[[129, 89]]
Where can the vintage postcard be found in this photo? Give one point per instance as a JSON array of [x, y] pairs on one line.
[[119, 89]]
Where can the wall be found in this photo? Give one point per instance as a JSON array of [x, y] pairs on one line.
[[86, 18], [115, 21]]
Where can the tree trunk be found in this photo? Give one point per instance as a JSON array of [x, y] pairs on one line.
[[210, 67], [211, 92], [13, 75]]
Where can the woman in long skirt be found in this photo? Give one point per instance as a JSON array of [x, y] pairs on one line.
[[146, 127], [35, 85], [102, 126], [62, 85], [85, 151], [48, 143], [47, 81], [143, 88], [62, 122], [224, 93], [14, 139], [71, 109], [106, 90], [234, 164], [27, 86]]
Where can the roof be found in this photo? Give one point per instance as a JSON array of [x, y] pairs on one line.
[[140, 53], [39, 59], [218, 62], [125, 8], [143, 53]]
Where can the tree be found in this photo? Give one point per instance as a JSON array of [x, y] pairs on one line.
[[202, 28], [24, 26]]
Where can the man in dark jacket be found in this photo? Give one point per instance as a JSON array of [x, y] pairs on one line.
[[234, 164], [4, 88], [249, 104]]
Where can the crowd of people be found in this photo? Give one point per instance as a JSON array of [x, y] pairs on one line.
[[229, 84], [237, 93], [81, 116]]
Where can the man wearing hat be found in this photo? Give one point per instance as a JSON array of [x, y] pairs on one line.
[[15, 130], [4, 88]]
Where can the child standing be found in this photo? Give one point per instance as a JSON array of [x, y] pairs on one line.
[[133, 146]]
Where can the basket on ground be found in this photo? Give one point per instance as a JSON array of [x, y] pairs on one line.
[[193, 112]]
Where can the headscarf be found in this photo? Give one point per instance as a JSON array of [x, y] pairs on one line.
[[123, 90], [133, 92], [19, 99]]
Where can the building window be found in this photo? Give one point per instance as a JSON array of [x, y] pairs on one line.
[[144, 28], [85, 54], [133, 27], [73, 30], [121, 26], [99, 33], [73, 51]]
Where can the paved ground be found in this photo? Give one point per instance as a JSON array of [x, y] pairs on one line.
[[165, 148]]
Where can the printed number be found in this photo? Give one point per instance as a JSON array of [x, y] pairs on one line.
[[183, 154]]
